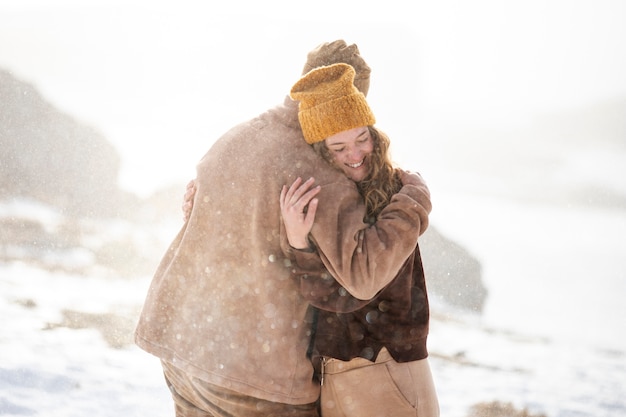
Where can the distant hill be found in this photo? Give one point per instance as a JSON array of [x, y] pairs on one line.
[[51, 157]]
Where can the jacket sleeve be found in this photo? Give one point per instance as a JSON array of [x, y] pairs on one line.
[[365, 258], [319, 288]]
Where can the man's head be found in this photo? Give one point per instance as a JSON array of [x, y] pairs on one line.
[[339, 52]]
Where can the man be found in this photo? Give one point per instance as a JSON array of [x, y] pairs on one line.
[[223, 312]]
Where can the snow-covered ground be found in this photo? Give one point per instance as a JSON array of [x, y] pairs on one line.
[[552, 338], [61, 371], [553, 335], [66, 340]]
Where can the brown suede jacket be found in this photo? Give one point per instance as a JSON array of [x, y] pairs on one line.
[[223, 304]]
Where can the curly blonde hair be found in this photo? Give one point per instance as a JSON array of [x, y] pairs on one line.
[[382, 181]]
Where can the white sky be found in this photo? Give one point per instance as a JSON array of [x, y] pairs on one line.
[[163, 79]]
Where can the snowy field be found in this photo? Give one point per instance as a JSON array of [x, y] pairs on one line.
[[552, 337]]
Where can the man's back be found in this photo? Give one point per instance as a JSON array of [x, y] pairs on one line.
[[223, 305]]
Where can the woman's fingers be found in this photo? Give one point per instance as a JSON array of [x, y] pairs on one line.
[[292, 189], [310, 213], [307, 198], [299, 194], [298, 188]]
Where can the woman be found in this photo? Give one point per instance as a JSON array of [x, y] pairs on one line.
[[372, 361]]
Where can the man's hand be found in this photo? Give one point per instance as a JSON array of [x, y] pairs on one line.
[[190, 193]]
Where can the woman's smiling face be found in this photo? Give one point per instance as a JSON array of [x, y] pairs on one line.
[[350, 150]]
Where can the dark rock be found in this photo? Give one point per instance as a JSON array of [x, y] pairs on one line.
[[50, 157], [452, 272], [499, 409]]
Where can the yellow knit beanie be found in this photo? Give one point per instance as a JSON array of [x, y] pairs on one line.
[[330, 103]]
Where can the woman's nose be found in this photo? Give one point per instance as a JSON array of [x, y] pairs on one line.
[[355, 154]]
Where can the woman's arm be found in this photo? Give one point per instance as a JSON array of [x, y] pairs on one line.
[[365, 258], [317, 286]]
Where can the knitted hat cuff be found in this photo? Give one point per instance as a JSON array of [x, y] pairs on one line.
[[334, 116]]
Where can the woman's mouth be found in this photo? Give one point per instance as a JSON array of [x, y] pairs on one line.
[[357, 165]]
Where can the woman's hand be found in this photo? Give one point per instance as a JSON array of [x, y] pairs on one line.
[[190, 193], [423, 197], [412, 178], [298, 208]]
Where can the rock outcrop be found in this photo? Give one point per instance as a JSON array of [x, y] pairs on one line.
[[49, 156]]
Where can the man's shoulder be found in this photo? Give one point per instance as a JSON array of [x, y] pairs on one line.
[[274, 121]]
